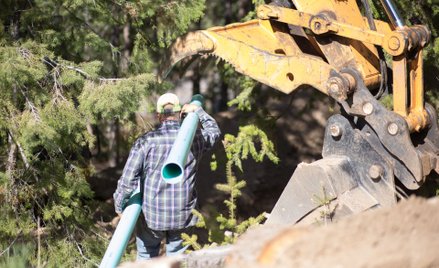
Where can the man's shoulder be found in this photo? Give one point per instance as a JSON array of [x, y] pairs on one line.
[[145, 137]]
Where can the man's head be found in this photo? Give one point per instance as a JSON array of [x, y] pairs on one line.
[[168, 107]]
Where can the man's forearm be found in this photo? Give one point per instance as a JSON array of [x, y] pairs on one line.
[[129, 180], [121, 196]]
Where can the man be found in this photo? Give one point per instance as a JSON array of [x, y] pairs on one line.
[[167, 208]]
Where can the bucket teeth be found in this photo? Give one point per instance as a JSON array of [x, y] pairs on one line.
[[258, 58], [188, 45]]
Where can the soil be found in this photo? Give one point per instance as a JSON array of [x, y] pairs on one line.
[[406, 235]]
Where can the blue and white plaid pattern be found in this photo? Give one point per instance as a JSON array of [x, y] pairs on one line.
[[165, 206]]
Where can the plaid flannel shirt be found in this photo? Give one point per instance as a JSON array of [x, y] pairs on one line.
[[165, 206]]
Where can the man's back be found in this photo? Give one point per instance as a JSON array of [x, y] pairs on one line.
[[166, 206]]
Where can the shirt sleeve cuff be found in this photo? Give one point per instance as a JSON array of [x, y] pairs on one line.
[[199, 111]]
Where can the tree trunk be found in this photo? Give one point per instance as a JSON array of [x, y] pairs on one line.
[[126, 51], [113, 143], [12, 157]]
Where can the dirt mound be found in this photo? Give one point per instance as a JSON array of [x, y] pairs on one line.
[[406, 235]]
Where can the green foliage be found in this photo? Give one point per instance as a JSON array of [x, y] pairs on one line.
[[171, 26], [324, 201], [120, 98], [387, 101], [249, 141], [54, 57], [238, 148], [252, 14], [17, 256], [191, 241], [242, 83], [213, 163]]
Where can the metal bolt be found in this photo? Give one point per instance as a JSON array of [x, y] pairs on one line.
[[335, 131], [392, 128], [394, 43], [367, 108], [376, 171], [336, 88], [317, 25]]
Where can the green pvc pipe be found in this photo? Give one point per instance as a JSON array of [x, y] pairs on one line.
[[172, 170], [123, 231]]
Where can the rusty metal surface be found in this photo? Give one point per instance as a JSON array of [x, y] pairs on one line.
[[428, 143], [309, 185], [393, 132], [352, 143], [354, 175], [417, 118], [341, 52]]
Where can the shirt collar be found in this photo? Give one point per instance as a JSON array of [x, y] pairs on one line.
[[170, 124]]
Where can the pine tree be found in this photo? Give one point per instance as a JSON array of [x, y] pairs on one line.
[[250, 141], [66, 66]]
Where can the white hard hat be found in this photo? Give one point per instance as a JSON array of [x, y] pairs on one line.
[[168, 98]]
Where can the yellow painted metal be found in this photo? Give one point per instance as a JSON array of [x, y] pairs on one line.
[[258, 50], [400, 97], [268, 60], [417, 117], [342, 52], [416, 83], [185, 46], [321, 25], [415, 114], [272, 49]]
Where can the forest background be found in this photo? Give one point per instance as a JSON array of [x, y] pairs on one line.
[[78, 86]]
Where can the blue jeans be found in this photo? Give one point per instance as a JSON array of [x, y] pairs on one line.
[[148, 241]]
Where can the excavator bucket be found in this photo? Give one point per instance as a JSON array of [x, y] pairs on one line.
[[257, 49], [191, 44]]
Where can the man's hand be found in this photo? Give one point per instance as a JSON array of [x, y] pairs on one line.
[[188, 108]]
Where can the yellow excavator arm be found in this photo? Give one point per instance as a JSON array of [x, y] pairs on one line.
[[329, 45]]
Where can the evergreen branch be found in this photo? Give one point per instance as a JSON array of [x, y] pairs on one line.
[[83, 73], [243, 99], [223, 188], [191, 241], [243, 226], [32, 107], [99, 235], [201, 223], [70, 236], [88, 25], [10, 165], [57, 86], [240, 185], [101, 79], [83, 256], [22, 154], [12, 243]]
